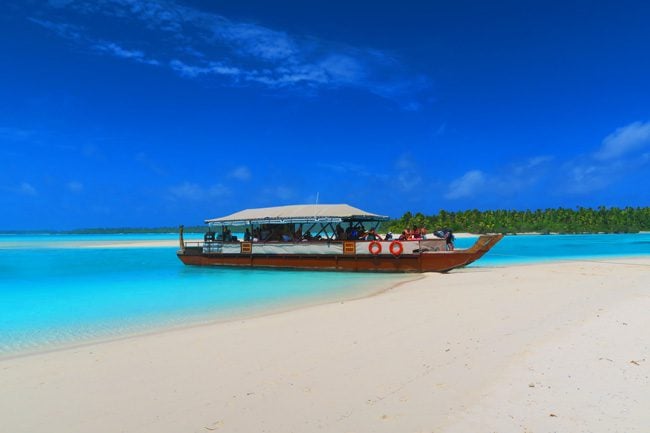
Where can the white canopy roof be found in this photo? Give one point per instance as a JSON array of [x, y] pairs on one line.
[[302, 213]]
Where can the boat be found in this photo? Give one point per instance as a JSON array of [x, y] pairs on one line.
[[321, 237]]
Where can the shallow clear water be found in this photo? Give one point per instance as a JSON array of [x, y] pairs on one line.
[[544, 248], [59, 296], [53, 296]]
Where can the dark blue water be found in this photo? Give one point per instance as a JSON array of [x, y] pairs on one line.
[[55, 291]]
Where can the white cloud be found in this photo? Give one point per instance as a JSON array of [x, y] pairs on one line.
[[253, 40], [118, 51], [635, 136], [198, 44], [588, 176], [408, 180], [342, 68], [345, 167], [74, 186], [407, 177], [77, 34], [16, 134], [468, 185], [27, 189], [621, 154], [211, 68], [240, 173], [24, 188], [404, 161], [65, 30], [152, 165], [280, 192], [536, 161], [59, 3], [511, 179], [195, 192]]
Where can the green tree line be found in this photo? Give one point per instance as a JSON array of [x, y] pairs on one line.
[[560, 220]]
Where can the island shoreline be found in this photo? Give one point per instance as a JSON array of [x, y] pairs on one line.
[[559, 346]]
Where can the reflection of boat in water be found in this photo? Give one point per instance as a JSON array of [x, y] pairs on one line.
[[320, 237]]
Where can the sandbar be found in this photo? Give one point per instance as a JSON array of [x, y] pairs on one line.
[[112, 243], [531, 348]]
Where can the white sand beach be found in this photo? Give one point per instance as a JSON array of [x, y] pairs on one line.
[[537, 348]]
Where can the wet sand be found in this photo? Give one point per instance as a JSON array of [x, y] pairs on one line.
[[533, 348]]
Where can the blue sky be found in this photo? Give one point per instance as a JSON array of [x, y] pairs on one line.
[[146, 113]]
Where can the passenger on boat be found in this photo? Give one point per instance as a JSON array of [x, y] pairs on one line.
[[389, 236], [373, 236], [415, 234], [247, 235], [340, 233], [404, 236], [449, 240]]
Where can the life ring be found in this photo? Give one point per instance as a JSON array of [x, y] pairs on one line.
[[396, 248], [374, 247]]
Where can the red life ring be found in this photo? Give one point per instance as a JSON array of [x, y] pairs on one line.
[[374, 247], [396, 248]]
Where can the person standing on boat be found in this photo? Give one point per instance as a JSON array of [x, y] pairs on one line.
[[340, 233], [449, 240], [373, 236]]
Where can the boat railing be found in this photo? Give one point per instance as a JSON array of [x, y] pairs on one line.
[[414, 246]]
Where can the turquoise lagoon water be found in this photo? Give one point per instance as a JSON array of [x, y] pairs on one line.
[[57, 296], [55, 292], [522, 249]]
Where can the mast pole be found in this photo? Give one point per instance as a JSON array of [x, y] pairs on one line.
[[180, 238]]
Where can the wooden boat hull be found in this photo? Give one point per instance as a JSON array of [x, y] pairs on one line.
[[426, 261]]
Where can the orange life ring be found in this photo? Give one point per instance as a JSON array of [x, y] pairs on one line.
[[396, 248], [374, 247]]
